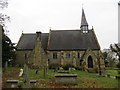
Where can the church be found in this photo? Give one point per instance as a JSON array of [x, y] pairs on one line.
[[76, 47]]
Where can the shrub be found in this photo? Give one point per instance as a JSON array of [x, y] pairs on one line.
[[118, 72], [79, 67], [92, 70], [118, 65], [61, 68], [67, 66], [54, 66]]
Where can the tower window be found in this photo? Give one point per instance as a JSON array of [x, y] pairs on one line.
[[67, 55], [84, 27], [78, 55], [55, 55], [25, 55], [85, 31]]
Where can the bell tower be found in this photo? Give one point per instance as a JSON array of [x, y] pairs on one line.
[[84, 24]]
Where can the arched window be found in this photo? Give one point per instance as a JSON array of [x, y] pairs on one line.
[[90, 62], [55, 55], [81, 62], [78, 54], [25, 55], [68, 55]]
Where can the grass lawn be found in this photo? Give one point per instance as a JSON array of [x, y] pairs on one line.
[[85, 80], [111, 72]]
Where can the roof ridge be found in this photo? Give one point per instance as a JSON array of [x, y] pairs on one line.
[[72, 30], [67, 30], [32, 33], [28, 33]]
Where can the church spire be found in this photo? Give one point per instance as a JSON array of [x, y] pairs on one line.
[[84, 24]]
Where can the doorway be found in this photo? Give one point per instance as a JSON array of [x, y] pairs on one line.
[[90, 62]]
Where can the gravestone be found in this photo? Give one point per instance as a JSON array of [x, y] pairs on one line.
[[63, 71], [12, 83], [6, 65], [66, 79], [26, 76], [45, 72], [18, 83], [21, 73]]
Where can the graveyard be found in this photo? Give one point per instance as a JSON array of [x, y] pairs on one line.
[[56, 49], [83, 79]]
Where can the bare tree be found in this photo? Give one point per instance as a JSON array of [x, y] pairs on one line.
[[4, 18], [3, 4], [116, 49], [99, 63]]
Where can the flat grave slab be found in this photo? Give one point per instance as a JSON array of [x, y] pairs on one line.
[[66, 79]]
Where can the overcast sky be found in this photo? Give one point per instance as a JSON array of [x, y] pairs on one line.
[[30, 16]]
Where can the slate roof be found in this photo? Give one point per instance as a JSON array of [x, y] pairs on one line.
[[61, 40], [72, 40], [27, 41]]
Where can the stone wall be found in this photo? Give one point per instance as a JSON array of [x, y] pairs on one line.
[[63, 59], [35, 58], [20, 56], [38, 57], [96, 57], [74, 60]]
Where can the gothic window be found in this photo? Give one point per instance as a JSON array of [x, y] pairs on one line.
[[81, 62], [90, 62], [55, 55], [85, 31], [78, 54], [25, 55], [84, 28], [67, 55]]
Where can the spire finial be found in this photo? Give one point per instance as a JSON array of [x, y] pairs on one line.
[[92, 28], [50, 28], [82, 5]]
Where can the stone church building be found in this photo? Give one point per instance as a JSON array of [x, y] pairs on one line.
[[76, 47]]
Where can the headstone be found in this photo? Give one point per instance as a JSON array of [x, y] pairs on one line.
[[6, 65], [74, 61], [45, 72], [21, 73], [26, 76], [36, 71]]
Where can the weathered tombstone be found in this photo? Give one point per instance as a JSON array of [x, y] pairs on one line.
[[26, 73], [63, 71], [21, 73], [26, 76], [6, 65], [117, 77], [66, 79], [36, 71], [12, 83], [45, 72], [69, 69]]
